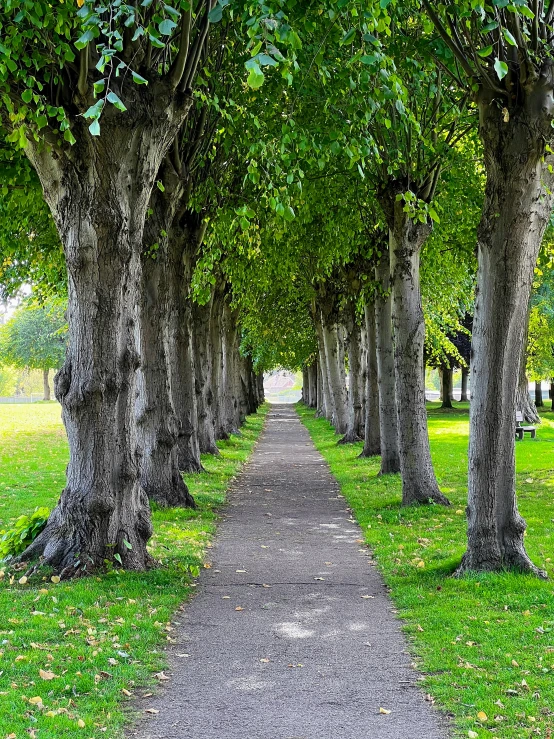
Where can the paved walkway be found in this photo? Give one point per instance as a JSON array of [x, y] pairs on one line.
[[291, 634]]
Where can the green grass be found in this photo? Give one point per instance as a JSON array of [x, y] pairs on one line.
[[485, 643], [100, 636]]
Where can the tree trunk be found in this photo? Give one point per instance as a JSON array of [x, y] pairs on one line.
[[230, 369], [157, 424], [465, 375], [184, 240], [551, 393], [419, 484], [446, 375], [261, 389], [362, 379], [312, 385], [388, 413], [515, 213], [325, 406], [98, 191], [335, 375], [203, 365], [354, 404], [524, 403], [539, 402], [372, 428], [46, 384]]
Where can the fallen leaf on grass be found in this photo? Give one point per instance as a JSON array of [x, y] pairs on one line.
[[482, 716], [36, 701], [46, 674], [472, 734], [22, 580], [126, 692], [55, 579], [384, 710], [81, 723]]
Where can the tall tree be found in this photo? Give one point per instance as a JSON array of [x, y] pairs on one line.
[[505, 50], [35, 338]]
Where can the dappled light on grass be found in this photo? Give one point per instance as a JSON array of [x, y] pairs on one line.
[[102, 637], [485, 642]]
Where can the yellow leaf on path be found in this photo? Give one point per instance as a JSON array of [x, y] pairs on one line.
[[55, 579], [482, 716], [162, 676], [47, 674], [151, 710], [384, 710], [239, 608]]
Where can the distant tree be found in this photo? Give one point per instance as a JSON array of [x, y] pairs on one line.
[[35, 338]]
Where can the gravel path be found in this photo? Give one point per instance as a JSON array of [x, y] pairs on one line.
[[291, 634]]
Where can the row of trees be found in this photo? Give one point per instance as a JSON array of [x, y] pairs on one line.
[[267, 174]]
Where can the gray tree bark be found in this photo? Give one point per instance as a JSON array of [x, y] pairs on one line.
[[46, 384], [419, 484], [204, 359], [335, 374], [538, 394], [157, 423], [372, 429], [388, 413], [354, 403], [326, 404], [517, 207], [446, 383], [465, 375], [98, 191]]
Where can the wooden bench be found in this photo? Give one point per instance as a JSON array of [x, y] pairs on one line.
[[520, 430]]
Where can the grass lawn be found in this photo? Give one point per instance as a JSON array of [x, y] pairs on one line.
[[73, 654], [484, 643]]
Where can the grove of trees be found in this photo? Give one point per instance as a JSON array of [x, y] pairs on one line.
[[221, 187]]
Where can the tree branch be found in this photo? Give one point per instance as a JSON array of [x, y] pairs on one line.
[[82, 85], [178, 67]]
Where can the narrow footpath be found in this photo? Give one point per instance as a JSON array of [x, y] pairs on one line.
[[291, 634]]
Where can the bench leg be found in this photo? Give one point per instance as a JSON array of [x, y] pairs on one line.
[[519, 434]]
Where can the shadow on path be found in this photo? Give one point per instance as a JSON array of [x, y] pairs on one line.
[[291, 634]]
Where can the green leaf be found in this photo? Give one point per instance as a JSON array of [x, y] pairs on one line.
[[118, 557], [348, 36], [94, 128], [256, 76], [216, 14], [137, 79], [167, 27], [434, 215], [87, 36], [509, 37], [501, 68], [27, 95], [127, 544], [486, 51], [94, 110], [115, 101], [266, 60]]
